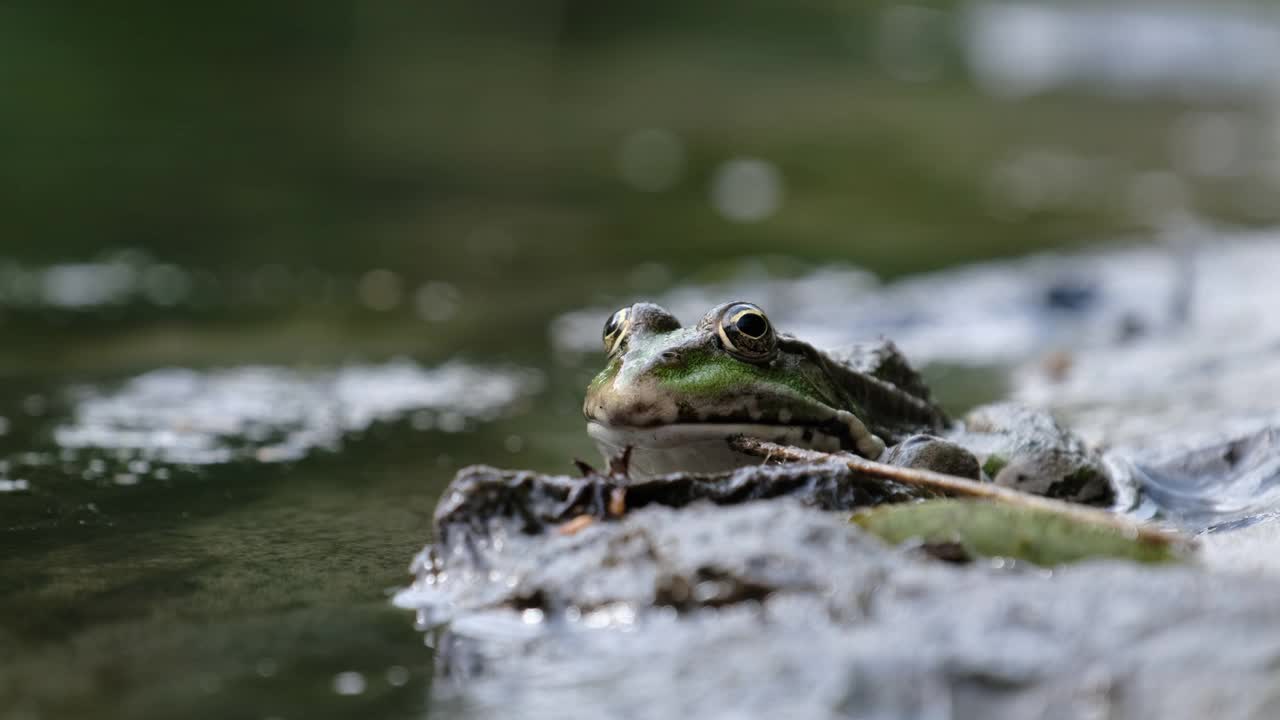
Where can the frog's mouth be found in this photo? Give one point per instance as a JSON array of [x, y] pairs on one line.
[[846, 432], [679, 435], [697, 447]]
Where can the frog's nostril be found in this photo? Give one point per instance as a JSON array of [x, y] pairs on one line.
[[670, 356]]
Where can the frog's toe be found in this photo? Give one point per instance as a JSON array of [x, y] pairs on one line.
[[927, 452]]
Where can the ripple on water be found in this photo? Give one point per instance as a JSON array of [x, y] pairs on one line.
[[274, 414]]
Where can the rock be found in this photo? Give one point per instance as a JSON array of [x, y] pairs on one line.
[[1026, 449], [926, 452], [483, 500], [640, 617]]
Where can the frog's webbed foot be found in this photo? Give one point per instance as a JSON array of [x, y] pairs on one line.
[[620, 464], [929, 452], [618, 468], [600, 495]]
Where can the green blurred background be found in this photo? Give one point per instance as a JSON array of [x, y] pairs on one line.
[[486, 146]]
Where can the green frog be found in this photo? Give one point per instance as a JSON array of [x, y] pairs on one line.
[[675, 396]]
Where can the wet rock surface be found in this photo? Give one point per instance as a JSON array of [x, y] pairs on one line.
[[774, 608], [483, 501], [905, 655], [1220, 485]]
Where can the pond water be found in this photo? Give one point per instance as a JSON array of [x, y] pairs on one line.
[[261, 297]]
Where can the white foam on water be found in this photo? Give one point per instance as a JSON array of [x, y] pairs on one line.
[[274, 414]]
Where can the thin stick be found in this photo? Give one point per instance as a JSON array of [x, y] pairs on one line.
[[956, 486]]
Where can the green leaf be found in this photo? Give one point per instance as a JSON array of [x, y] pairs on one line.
[[987, 529]]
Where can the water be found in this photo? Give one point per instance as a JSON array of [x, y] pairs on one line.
[[268, 279], [233, 533], [150, 560]]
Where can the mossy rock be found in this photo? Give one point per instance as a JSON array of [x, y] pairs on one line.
[[987, 529]]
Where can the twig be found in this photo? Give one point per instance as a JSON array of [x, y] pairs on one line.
[[956, 486]]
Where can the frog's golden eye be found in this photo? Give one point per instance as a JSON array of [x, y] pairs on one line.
[[615, 330], [746, 332]]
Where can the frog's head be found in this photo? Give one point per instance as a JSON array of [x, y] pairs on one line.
[[676, 395]]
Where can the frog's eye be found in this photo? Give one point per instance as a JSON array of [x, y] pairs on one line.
[[615, 330], [746, 332]]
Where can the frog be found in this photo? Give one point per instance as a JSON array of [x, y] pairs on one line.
[[672, 398]]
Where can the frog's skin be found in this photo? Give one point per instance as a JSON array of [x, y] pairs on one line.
[[677, 395]]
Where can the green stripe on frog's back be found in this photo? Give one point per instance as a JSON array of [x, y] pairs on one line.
[[893, 399], [720, 379]]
